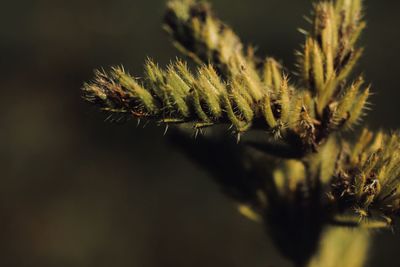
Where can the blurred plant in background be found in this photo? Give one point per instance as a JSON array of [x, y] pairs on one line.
[[318, 193]]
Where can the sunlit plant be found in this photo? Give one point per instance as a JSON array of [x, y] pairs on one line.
[[318, 194]]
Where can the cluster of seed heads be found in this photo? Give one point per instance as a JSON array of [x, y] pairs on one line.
[[231, 85]]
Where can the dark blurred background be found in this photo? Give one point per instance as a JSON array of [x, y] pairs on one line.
[[78, 191]]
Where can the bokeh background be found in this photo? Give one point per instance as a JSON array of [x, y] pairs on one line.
[[78, 191]]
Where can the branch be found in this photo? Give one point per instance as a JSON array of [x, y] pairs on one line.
[[230, 89], [329, 56], [175, 95], [199, 34]]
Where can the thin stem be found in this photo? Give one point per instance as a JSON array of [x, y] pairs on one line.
[[342, 247]]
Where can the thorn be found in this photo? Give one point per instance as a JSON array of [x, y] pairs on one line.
[[306, 18], [119, 119], [108, 118], [166, 129], [138, 123], [303, 31], [145, 124], [392, 229], [238, 138]]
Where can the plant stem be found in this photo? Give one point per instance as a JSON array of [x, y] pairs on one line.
[[342, 247]]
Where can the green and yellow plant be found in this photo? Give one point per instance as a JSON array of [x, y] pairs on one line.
[[318, 194]]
